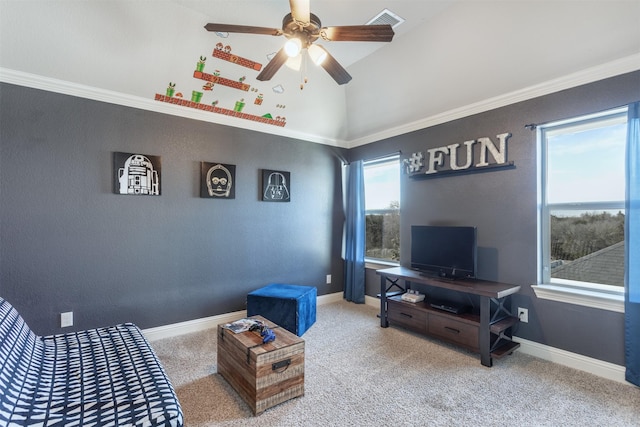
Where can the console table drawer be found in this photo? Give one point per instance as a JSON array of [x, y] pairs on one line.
[[454, 331], [406, 315]]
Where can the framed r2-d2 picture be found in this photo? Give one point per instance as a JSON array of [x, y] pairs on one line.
[[276, 186], [136, 174], [217, 181]]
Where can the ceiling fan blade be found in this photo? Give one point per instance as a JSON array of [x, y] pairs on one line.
[[358, 33], [274, 65], [300, 10], [228, 28], [336, 70]]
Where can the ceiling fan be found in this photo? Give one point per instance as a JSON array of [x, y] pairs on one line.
[[302, 28]]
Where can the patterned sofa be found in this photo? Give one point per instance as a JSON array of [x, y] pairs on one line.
[[99, 377]]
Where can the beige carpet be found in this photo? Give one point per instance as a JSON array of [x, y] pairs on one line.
[[359, 374]]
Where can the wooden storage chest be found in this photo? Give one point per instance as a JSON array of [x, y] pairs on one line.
[[264, 375]]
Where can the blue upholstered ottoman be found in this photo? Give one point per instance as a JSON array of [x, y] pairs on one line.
[[292, 307]]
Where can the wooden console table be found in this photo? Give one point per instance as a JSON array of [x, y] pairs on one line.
[[492, 326]]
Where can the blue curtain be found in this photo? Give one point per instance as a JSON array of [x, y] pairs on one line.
[[354, 234], [632, 247]]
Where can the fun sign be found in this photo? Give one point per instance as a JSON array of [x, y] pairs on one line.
[[476, 154]]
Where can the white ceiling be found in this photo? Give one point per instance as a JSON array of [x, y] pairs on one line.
[[447, 57]]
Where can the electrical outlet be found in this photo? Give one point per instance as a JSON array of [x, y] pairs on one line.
[[328, 279], [523, 314], [66, 319]]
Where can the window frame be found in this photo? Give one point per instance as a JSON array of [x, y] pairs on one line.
[[371, 262], [601, 296]]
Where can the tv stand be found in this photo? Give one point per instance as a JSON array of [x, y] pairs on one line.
[[487, 333]]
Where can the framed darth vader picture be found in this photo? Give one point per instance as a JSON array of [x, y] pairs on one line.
[[276, 186], [217, 181], [136, 174]]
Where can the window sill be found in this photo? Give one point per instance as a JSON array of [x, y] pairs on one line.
[[587, 298], [376, 264]]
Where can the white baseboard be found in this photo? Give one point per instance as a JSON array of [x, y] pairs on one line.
[[176, 329], [562, 357], [330, 298], [593, 366], [372, 301]]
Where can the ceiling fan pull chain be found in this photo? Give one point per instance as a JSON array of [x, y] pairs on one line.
[[303, 71]]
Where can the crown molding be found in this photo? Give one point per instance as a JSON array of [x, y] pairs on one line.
[[35, 81], [603, 71]]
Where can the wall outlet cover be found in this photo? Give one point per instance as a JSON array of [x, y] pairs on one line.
[[66, 319], [523, 314]]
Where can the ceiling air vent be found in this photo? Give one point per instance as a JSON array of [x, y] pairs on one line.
[[386, 17]]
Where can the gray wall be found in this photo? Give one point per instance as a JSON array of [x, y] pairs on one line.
[[502, 204], [68, 243]]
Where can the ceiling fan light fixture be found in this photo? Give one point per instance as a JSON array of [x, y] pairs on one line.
[[294, 62], [317, 54], [302, 28], [292, 47]]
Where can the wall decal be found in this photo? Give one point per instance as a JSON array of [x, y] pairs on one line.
[[196, 102], [276, 186], [196, 96], [271, 55], [217, 181], [223, 81], [452, 158], [239, 105], [224, 53], [171, 89], [200, 64], [136, 174], [265, 118]]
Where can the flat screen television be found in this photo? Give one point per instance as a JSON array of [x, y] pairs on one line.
[[444, 251]]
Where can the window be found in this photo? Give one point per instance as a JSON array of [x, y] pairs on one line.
[[582, 211], [382, 208]]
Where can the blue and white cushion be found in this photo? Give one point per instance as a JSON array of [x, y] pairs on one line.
[[98, 377]]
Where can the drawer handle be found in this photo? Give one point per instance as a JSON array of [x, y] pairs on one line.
[[406, 315], [457, 331], [281, 366]]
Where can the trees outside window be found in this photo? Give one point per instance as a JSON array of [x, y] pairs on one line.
[[582, 207], [382, 206]]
